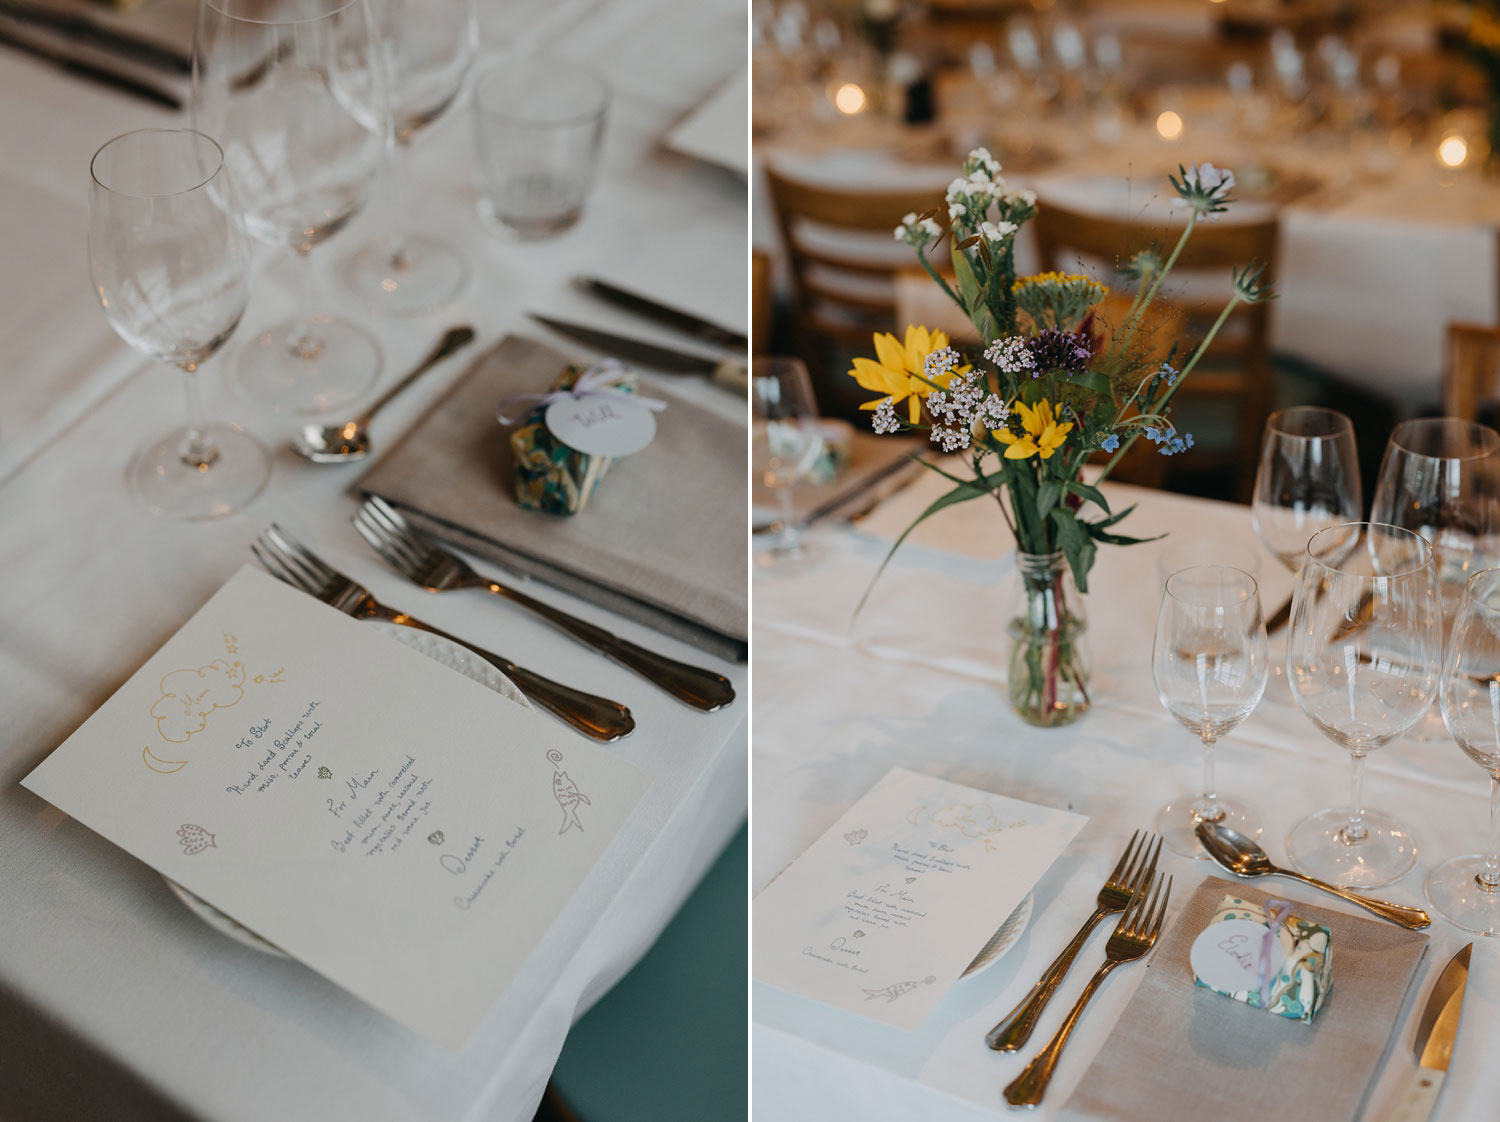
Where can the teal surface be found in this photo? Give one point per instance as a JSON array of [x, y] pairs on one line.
[[669, 1042]]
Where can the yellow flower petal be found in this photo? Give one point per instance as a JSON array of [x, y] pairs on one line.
[[915, 409], [888, 350], [1021, 450], [873, 376]]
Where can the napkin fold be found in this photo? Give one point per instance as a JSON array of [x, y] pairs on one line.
[[662, 543], [1183, 1051]]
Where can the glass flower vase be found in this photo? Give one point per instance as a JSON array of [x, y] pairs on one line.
[[1049, 672]]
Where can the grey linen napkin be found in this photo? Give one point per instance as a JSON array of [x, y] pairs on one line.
[[662, 541], [1183, 1051]]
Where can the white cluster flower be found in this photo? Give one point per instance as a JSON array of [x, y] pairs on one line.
[[957, 211], [952, 439], [917, 232], [982, 157], [938, 404], [993, 412], [1203, 187], [1012, 356], [939, 363], [966, 396], [998, 231], [884, 419]]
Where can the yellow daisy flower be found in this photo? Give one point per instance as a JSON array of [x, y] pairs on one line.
[[896, 372], [1041, 436]]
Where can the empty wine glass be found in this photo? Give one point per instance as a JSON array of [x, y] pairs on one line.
[[1209, 663], [787, 438], [1363, 660], [429, 47], [1466, 890], [295, 92], [171, 267], [1440, 477]]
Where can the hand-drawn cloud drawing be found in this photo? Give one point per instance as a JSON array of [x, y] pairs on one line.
[[189, 696]]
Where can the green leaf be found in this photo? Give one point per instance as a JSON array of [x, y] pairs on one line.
[[960, 494], [1089, 493], [1116, 539], [1105, 523], [1046, 497], [968, 283], [1093, 381], [1076, 545]]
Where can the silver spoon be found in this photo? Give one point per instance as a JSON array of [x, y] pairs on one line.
[[338, 444], [1242, 857]]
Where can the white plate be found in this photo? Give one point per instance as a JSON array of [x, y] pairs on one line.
[[435, 647], [1002, 940]]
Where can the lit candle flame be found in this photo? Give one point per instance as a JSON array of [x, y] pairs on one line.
[[1169, 125], [1453, 151], [849, 99]]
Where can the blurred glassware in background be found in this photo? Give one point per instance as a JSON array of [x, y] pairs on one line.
[[786, 438], [170, 264], [538, 132], [429, 47], [295, 92]]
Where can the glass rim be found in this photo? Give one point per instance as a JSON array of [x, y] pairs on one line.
[[497, 66], [1445, 422], [1344, 427], [218, 6], [1253, 591], [1474, 577], [205, 181], [1364, 528]]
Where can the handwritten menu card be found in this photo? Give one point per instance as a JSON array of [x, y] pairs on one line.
[[397, 827], [883, 912]]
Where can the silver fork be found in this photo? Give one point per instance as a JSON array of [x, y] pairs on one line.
[[289, 560], [1136, 865], [424, 562], [1133, 938]]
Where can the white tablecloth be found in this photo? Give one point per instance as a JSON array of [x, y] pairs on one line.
[[917, 682], [110, 991]]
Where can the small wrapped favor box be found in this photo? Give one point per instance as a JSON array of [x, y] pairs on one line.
[[1304, 978], [550, 476]]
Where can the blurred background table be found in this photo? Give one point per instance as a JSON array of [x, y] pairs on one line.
[[114, 1000]]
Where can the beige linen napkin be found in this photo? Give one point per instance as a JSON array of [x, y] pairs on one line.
[[662, 542], [1183, 1051]]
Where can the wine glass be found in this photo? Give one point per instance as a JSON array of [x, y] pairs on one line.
[[1440, 477], [1209, 663], [171, 267], [1363, 660], [787, 440], [429, 46], [295, 92]]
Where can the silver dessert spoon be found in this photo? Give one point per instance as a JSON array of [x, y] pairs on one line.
[[1242, 857], [338, 444]]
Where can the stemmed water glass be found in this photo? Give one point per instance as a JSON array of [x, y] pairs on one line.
[[787, 439], [1466, 890], [295, 92], [1363, 659], [171, 267], [430, 47], [1209, 663], [1308, 479], [1440, 477]]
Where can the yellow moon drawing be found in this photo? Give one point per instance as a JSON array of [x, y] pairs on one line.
[[157, 764]]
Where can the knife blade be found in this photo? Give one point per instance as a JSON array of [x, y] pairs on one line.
[[730, 373], [693, 325], [89, 71], [83, 29], [1434, 1043]]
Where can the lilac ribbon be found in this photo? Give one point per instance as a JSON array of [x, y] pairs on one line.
[[597, 381], [1278, 910]]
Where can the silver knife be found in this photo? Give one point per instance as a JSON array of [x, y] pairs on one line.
[[81, 28], [1434, 1044], [731, 373], [693, 325], [14, 37]]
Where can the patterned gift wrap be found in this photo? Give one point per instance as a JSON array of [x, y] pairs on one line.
[[1301, 985], [550, 476]]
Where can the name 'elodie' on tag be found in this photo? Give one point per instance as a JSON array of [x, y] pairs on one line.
[[603, 424]]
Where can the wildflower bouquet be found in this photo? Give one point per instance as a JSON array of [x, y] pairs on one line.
[[1043, 395]]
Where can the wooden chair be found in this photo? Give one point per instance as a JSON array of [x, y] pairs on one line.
[[760, 302], [843, 259], [1471, 370], [1236, 371]]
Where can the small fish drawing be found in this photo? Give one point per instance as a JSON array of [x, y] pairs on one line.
[[324, 773], [854, 837], [568, 797], [436, 837], [194, 839], [897, 989]]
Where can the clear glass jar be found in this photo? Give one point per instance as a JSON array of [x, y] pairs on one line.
[[1049, 670]]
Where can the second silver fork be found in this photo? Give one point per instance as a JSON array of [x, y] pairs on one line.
[[289, 560], [436, 569]]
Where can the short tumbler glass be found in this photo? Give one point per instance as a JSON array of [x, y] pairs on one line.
[[538, 129]]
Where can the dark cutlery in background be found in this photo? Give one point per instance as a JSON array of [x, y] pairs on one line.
[[687, 322], [81, 68], [731, 373]]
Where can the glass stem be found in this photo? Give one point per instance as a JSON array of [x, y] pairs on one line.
[[1208, 808], [401, 195], [790, 537], [1489, 880], [197, 449], [1355, 829], [302, 338]]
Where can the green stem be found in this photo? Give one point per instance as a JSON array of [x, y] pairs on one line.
[[1134, 321], [935, 275]]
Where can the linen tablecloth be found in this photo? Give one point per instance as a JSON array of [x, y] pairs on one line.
[[114, 1000]]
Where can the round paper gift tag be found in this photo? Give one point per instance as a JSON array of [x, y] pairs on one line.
[[599, 425], [1226, 956]]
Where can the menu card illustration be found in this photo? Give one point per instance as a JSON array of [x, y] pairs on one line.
[[883, 912], [403, 830]]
